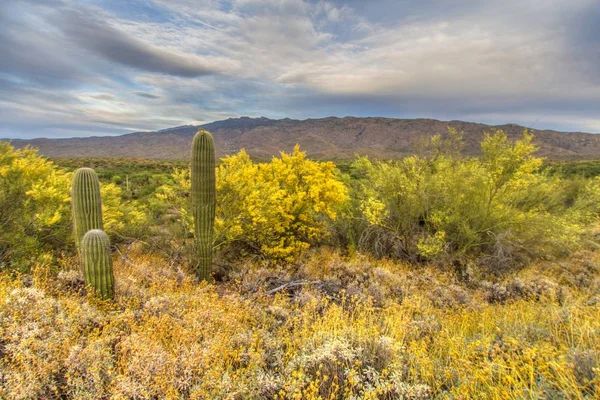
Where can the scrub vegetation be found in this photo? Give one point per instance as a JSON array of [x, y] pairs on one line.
[[437, 276]]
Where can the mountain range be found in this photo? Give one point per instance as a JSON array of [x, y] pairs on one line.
[[325, 138]]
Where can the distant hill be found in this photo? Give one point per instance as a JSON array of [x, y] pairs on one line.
[[326, 138]]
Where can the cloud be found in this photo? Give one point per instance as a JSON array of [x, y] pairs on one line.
[[78, 68], [31, 49], [442, 59], [147, 95], [115, 45]]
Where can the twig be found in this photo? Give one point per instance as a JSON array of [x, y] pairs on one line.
[[289, 285], [125, 258]]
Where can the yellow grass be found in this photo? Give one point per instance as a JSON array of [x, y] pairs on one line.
[[361, 329]]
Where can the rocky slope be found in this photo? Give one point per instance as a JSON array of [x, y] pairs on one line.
[[326, 138]]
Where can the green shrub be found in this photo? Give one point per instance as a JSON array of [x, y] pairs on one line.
[[34, 207], [498, 208]]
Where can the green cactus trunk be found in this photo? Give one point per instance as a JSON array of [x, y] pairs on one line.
[[97, 263], [86, 203], [203, 200]]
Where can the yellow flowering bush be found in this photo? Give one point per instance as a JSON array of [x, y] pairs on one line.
[[276, 209], [119, 216], [279, 207], [35, 212], [497, 207], [34, 206]]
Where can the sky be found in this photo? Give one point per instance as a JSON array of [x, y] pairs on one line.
[[105, 67]]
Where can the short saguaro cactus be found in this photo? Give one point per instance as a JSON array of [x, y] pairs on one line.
[[97, 263], [203, 199]]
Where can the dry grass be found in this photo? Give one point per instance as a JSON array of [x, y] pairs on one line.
[[356, 329]]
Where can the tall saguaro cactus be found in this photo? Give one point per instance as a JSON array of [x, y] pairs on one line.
[[203, 199], [97, 263], [86, 203]]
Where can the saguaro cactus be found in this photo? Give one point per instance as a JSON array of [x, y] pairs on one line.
[[86, 203], [203, 199], [97, 263]]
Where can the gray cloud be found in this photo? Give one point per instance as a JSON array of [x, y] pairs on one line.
[[147, 95], [32, 50], [584, 41], [75, 68], [115, 45], [103, 96]]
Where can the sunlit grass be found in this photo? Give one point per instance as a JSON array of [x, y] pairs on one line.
[[360, 329]]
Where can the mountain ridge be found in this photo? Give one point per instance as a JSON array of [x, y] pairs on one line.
[[321, 138]]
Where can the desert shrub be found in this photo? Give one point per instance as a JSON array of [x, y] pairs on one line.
[[498, 207], [34, 207], [348, 228], [275, 210], [537, 288], [585, 365], [122, 219], [138, 179], [449, 296], [35, 216]]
